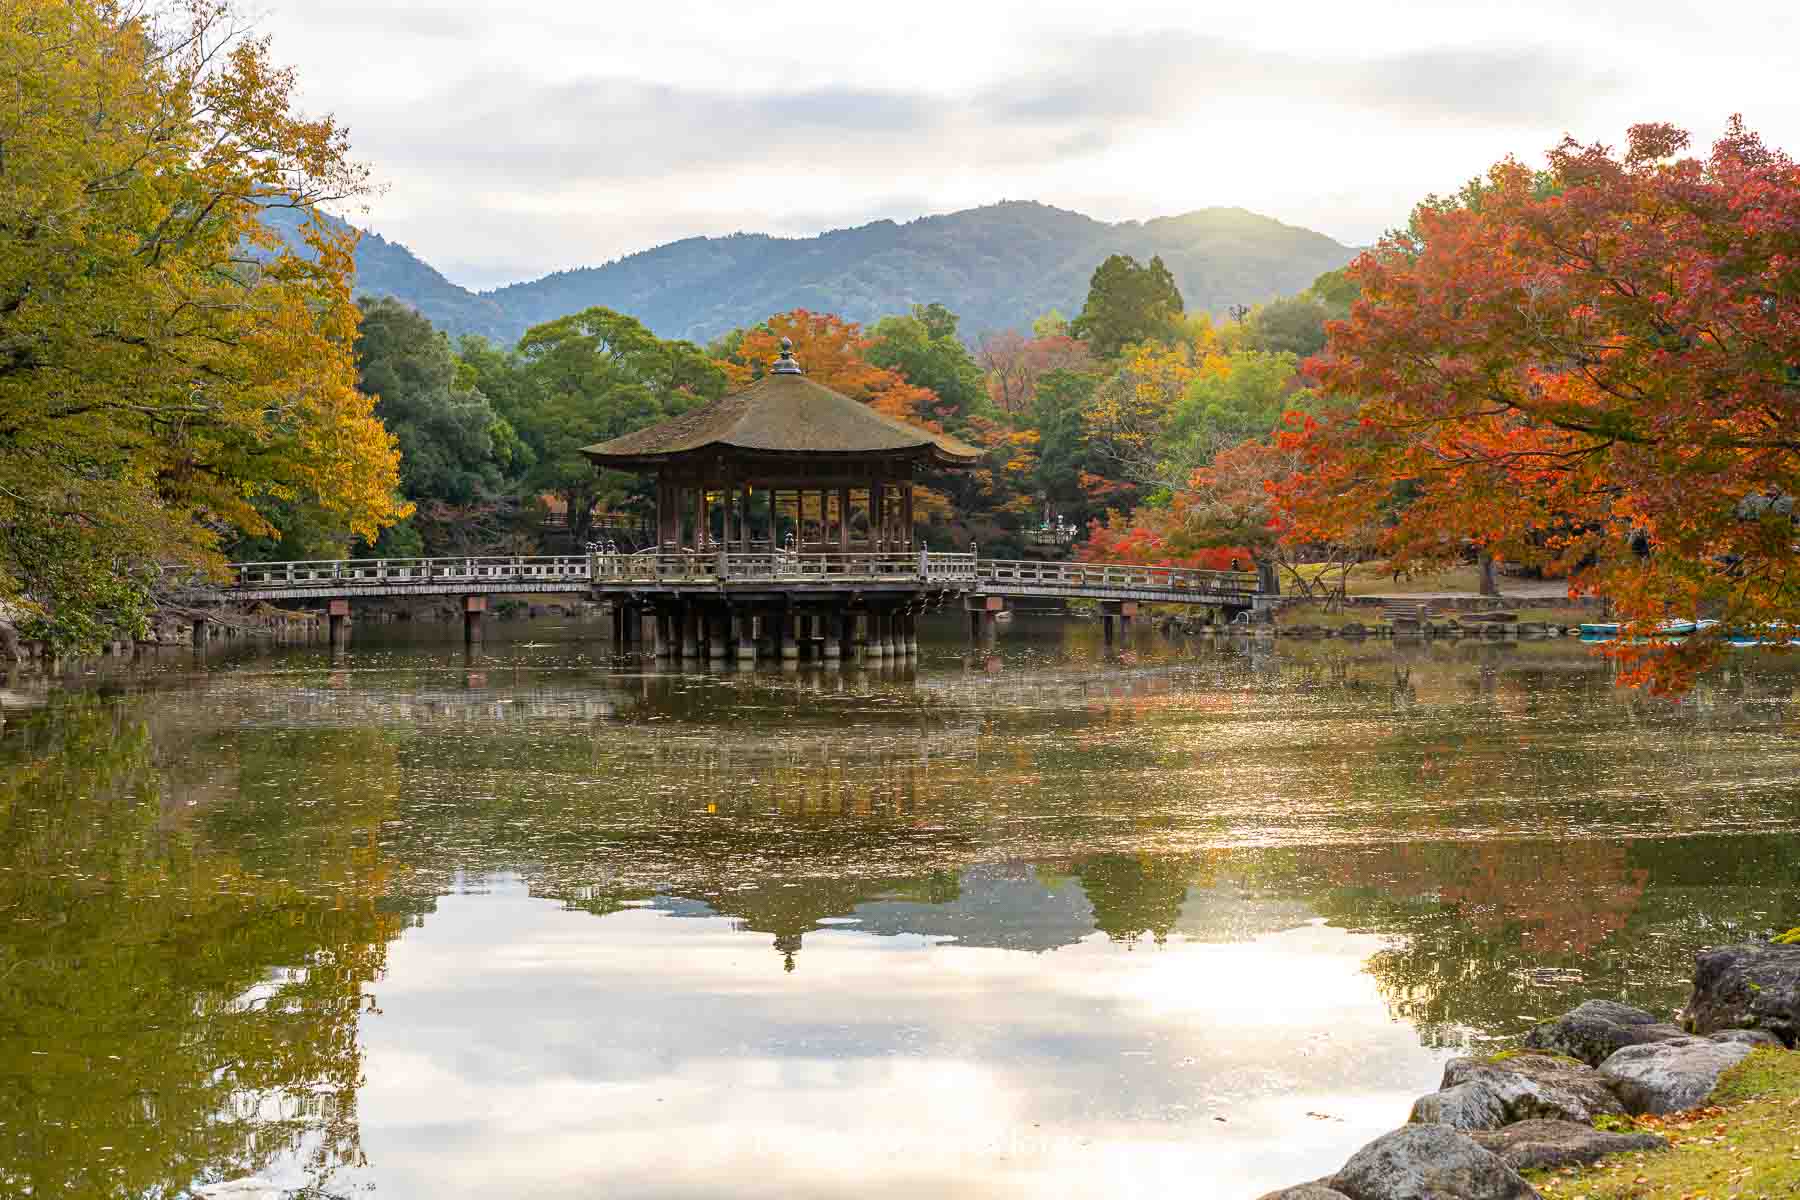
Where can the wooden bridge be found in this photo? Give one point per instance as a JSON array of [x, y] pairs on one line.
[[721, 601]]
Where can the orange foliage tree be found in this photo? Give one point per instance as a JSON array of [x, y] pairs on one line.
[[832, 352], [1594, 368]]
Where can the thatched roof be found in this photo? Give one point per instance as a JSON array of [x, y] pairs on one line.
[[783, 413]]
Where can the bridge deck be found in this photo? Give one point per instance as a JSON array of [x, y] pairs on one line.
[[735, 572]]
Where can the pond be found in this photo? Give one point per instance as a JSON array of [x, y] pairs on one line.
[[1202, 918]]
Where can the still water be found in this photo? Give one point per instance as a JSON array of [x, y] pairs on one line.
[[1198, 920]]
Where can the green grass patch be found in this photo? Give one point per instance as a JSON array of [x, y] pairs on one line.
[[1745, 1143]]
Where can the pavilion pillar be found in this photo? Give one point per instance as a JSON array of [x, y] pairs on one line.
[[713, 618], [831, 641], [700, 518], [906, 514], [843, 520]]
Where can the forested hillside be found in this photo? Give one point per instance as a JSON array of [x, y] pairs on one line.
[[998, 267]]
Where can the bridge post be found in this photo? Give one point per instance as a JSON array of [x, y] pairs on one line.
[[783, 636], [338, 614], [618, 626], [716, 629], [743, 632], [984, 614], [473, 609], [202, 633], [1121, 611], [911, 626]]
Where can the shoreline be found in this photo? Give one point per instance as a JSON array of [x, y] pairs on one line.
[[1604, 1095]]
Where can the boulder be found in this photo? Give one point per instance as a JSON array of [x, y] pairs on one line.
[[1539, 1085], [1472, 1105], [1747, 1037], [1532, 1145], [1305, 1191], [1751, 986], [1663, 1077], [1429, 1162], [1595, 1030]]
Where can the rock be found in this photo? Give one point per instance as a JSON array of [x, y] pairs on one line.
[[1429, 1162], [1472, 1105], [1539, 1085], [1752, 986], [1664, 1077], [1531, 1145], [1305, 1191], [1595, 1030], [1746, 1037]]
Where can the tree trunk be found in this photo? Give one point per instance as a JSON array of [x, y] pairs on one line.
[[1490, 582]]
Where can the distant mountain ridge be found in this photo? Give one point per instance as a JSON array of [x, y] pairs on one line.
[[998, 267]]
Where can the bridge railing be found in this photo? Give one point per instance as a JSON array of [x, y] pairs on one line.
[[712, 566], [1102, 575], [383, 571]]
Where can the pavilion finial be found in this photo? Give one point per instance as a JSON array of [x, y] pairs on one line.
[[786, 364]]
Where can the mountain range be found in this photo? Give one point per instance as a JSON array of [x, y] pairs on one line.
[[998, 267]]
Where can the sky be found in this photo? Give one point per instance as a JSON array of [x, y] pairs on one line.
[[512, 139]]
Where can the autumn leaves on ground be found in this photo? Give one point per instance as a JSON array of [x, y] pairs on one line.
[[1587, 370], [1744, 1143]]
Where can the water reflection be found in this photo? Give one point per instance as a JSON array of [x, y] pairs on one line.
[[545, 921]]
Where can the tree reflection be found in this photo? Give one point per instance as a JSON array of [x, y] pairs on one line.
[[176, 1007]]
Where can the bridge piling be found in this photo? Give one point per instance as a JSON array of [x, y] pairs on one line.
[[473, 609], [743, 632], [338, 615]]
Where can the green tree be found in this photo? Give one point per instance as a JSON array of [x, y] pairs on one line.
[[1293, 325], [1127, 303], [924, 347], [1063, 453], [592, 376], [457, 453], [166, 362], [1242, 397]]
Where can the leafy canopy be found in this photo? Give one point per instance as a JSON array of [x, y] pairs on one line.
[[166, 363], [1128, 303], [1595, 369]]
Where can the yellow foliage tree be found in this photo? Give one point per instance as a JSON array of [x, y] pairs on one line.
[[1132, 407], [167, 363]]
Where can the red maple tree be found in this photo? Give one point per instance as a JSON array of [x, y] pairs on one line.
[[1594, 368]]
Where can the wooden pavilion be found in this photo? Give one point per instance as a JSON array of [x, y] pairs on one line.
[[784, 518], [784, 464]]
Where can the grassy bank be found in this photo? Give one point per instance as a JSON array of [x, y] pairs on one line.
[[1745, 1144]]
